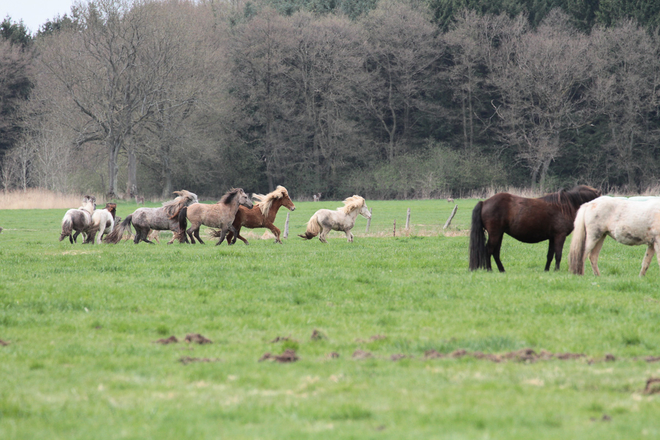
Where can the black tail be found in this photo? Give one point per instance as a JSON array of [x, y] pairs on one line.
[[117, 233], [183, 225], [478, 254]]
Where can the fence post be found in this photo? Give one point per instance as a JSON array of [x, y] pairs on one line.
[[408, 219], [286, 225], [453, 213], [394, 230], [368, 222]]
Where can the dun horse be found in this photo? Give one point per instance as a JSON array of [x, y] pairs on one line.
[[343, 219], [262, 214], [219, 215], [161, 219], [79, 219], [528, 220], [628, 221]]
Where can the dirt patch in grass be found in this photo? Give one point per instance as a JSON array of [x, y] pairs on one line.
[[4, 343], [398, 357], [171, 340], [652, 385], [522, 355], [281, 338], [361, 354], [317, 335], [197, 338], [333, 355], [185, 360], [288, 356]]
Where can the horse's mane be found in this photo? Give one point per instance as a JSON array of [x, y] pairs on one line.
[[351, 204], [570, 201], [230, 196], [173, 207], [265, 202]]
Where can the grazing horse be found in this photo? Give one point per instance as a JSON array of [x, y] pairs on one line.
[[219, 215], [528, 220], [262, 214], [161, 219], [343, 219], [78, 219], [628, 221]]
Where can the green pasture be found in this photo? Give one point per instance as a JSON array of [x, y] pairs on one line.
[[81, 321]]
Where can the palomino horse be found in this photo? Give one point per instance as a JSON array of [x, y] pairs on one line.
[[103, 220], [528, 220], [219, 215], [630, 222], [78, 219], [343, 219], [161, 219], [262, 214]]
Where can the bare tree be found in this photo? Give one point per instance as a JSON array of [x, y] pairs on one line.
[[626, 93], [402, 49], [99, 65], [542, 76]]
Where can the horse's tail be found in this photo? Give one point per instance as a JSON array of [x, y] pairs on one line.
[[313, 228], [118, 232], [67, 227], [183, 225], [577, 256], [478, 254]]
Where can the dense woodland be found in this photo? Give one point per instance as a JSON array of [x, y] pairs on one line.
[[385, 98]]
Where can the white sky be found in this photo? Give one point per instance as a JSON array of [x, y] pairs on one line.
[[34, 13]]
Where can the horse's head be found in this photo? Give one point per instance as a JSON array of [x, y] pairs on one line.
[[244, 199], [111, 208], [286, 200], [88, 204], [364, 211]]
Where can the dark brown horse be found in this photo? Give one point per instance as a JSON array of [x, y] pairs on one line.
[[549, 217], [262, 214]]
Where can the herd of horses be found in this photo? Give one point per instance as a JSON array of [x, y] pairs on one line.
[[232, 212], [582, 210]]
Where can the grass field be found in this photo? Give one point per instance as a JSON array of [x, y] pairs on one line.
[[81, 322]]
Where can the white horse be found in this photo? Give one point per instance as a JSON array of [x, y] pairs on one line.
[[628, 221], [78, 219], [343, 219], [102, 222]]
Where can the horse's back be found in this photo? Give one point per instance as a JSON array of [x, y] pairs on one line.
[[630, 222], [529, 220]]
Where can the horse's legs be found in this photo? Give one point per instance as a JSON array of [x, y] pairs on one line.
[[650, 251], [592, 249], [196, 232], [349, 236], [190, 234], [275, 230], [493, 248], [323, 233], [559, 248], [223, 233], [551, 253]]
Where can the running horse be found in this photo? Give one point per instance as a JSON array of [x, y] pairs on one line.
[[160, 219], [528, 220], [218, 215], [79, 219], [262, 214], [343, 219]]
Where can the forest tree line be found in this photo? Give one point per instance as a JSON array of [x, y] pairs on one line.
[[385, 98]]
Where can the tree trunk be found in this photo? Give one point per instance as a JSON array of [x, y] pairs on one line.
[[131, 181], [113, 169]]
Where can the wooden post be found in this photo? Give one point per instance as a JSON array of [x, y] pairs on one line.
[[408, 220], [368, 222], [453, 213], [394, 230], [286, 225]]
